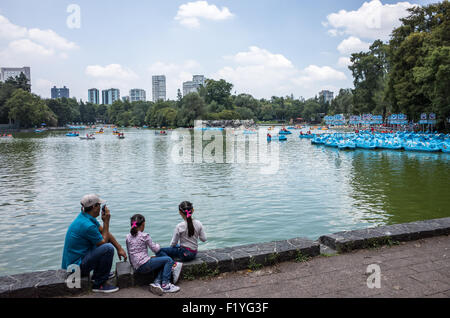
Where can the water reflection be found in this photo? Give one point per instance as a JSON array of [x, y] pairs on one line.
[[316, 190], [400, 186]]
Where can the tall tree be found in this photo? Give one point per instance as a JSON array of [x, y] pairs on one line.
[[369, 70], [219, 91], [419, 62]]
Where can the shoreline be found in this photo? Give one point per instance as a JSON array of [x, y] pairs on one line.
[[51, 283]]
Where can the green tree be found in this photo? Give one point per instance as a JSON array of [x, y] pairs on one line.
[[419, 64], [218, 91], [20, 81], [29, 110], [369, 70], [311, 110], [6, 91], [193, 107], [343, 103], [65, 112]]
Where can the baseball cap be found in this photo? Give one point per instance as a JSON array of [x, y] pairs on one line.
[[90, 200]]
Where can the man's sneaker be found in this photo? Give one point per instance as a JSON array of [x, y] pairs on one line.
[[105, 288], [170, 288], [176, 271], [156, 289]]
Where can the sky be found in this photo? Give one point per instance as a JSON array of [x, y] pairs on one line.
[[264, 48]]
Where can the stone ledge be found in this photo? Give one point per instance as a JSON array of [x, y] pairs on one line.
[[346, 241], [227, 260], [51, 283]]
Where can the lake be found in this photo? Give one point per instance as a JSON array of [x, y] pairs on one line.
[[316, 190]]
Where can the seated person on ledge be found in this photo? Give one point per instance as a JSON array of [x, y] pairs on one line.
[[90, 245]]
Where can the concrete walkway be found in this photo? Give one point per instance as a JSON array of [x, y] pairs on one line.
[[413, 269]]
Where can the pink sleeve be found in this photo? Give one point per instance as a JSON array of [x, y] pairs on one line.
[[152, 245]]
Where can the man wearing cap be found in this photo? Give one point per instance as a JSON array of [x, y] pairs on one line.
[[90, 245]]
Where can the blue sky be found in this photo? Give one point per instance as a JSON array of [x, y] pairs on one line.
[[263, 47]]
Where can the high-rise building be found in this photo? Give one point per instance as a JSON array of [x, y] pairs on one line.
[[159, 87], [125, 98], [194, 85], [109, 96], [327, 95], [7, 72], [93, 96], [59, 92], [137, 95]]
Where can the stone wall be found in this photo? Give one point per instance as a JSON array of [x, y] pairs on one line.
[[210, 262]]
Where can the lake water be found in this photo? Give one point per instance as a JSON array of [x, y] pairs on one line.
[[316, 191]]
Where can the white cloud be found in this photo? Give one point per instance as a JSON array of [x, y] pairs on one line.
[[372, 20], [27, 46], [189, 14], [352, 45], [257, 56], [332, 32], [9, 30], [111, 71], [314, 73], [264, 74], [344, 62], [51, 39]]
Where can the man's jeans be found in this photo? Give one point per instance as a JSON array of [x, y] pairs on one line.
[[100, 260], [155, 263], [177, 252]]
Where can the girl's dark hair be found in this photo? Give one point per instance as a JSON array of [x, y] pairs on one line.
[[135, 222], [186, 208]]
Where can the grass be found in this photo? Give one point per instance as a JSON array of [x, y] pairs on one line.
[[200, 271], [379, 242], [272, 259], [253, 266], [300, 258]]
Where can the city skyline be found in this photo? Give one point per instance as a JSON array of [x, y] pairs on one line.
[[271, 49]]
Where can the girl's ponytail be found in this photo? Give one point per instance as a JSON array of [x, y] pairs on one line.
[[136, 221], [186, 208]]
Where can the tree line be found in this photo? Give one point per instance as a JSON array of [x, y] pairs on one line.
[[213, 101], [408, 74]]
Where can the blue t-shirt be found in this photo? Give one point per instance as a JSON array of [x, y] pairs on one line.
[[82, 236]]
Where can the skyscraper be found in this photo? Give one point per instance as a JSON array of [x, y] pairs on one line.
[[137, 94], [59, 92], [93, 96], [159, 87], [194, 85], [327, 95], [109, 96]]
